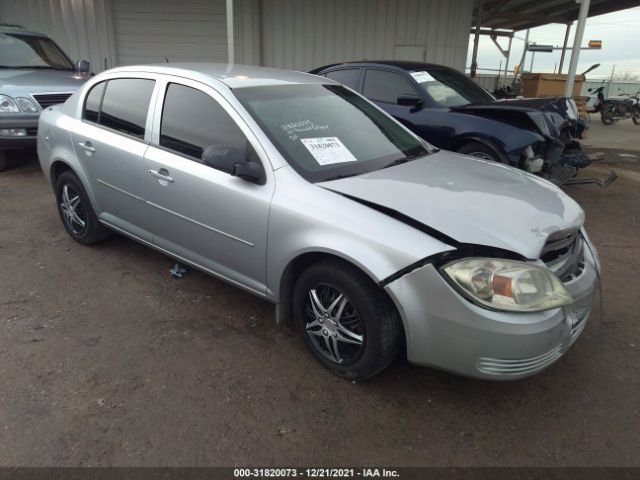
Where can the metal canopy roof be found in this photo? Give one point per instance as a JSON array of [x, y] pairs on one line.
[[523, 14]]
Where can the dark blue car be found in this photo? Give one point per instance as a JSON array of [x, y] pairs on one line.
[[450, 111]]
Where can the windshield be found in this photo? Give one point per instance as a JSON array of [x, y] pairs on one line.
[[450, 88], [28, 51], [327, 132]]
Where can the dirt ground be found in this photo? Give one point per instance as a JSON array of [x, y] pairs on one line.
[[106, 360]]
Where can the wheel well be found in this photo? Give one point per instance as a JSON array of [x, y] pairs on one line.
[[295, 268], [487, 143], [57, 169]]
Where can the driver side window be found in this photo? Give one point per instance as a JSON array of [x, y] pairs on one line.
[[193, 122]]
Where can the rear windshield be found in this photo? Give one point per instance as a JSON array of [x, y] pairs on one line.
[[29, 51], [327, 132]]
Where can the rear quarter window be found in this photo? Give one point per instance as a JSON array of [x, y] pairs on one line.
[[92, 103]]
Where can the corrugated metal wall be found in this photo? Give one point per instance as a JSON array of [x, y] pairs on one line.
[[301, 34], [296, 34], [83, 28], [148, 31]]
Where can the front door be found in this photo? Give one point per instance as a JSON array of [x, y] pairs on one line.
[[198, 212]]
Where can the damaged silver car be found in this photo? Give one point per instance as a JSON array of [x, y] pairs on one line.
[[306, 194]]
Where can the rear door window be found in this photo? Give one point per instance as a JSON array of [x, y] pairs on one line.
[[385, 86], [125, 105], [347, 76]]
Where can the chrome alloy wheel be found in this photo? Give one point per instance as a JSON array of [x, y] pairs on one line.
[[334, 325], [73, 210]]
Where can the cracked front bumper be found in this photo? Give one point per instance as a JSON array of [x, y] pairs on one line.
[[446, 331]]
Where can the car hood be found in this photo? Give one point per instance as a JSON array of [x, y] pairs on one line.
[[20, 81], [470, 200], [552, 117]]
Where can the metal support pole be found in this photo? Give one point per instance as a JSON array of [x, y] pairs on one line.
[[476, 41], [506, 63], [564, 46], [533, 57], [577, 41], [230, 52], [524, 54]]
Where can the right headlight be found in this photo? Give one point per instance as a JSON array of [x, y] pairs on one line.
[[8, 105], [508, 285]]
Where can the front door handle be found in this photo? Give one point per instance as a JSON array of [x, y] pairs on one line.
[[163, 174], [87, 146]]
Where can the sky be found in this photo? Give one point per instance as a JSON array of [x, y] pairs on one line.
[[619, 32]]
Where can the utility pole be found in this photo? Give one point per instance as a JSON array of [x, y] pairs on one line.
[[533, 56], [564, 46], [524, 54], [577, 41], [476, 40]]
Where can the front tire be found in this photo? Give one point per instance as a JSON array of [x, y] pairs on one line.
[[480, 150], [347, 322], [76, 212], [636, 118], [607, 116], [3, 160]]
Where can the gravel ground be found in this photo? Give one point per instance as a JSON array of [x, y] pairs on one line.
[[106, 360]]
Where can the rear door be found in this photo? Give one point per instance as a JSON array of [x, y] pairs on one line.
[[199, 213], [110, 144]]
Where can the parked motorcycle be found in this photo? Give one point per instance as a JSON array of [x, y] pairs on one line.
[[612, 110]]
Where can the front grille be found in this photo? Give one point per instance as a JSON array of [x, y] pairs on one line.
[[46, 100], [520, 366], [564, 255], [32, 132]]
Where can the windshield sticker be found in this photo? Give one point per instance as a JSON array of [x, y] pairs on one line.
[[292, 129], [328, 150], [422, 77]]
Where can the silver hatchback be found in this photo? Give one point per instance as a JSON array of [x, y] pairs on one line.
[[304, 193]]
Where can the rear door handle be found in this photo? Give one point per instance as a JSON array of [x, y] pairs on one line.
[[87, 146], [163, 174]]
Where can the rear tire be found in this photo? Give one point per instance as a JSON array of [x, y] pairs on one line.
[[361, 334], [480, 150], [636, 118], [76, 212], [3, 160]]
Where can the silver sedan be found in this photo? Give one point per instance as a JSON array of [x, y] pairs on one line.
[[304, 193]]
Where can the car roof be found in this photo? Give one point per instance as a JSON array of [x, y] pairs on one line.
[[402, 64], [232, 75], [7, 28]]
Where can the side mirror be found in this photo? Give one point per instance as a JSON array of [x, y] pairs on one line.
[[251, 171], [82, 66], [234, 161], [409, 100], [590, 90]]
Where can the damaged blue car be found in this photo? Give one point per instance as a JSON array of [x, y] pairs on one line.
[[450, 111]]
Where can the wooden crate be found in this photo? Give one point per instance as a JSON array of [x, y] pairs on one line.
[[548, 85], [581, 103]]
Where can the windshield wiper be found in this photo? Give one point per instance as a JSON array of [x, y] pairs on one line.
[[338, 177]]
